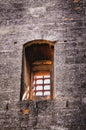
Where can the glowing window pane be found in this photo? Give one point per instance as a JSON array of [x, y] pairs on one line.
[[47, 81], [47, 93], [39, 93], [47, 87], [39, 81], [39, 76], [39, 88], [47, 76]]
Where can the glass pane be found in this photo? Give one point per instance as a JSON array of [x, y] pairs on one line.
[[47, 76], [47, 93], [47, 81], [39, 93], [39, 88], [39, 81], [39, 76], [47, 87]]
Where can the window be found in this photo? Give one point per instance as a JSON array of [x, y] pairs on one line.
[[42, 85], [38, 71]]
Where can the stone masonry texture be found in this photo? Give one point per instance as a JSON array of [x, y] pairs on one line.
[[63, 21]]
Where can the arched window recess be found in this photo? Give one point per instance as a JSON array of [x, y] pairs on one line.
[[38, 70]]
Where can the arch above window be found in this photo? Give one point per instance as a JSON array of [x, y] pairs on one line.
[[38, 70], [40, 42]]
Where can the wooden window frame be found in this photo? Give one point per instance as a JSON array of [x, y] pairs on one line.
[[37, 85]]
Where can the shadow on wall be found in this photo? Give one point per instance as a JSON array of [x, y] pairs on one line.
[[78, 119]]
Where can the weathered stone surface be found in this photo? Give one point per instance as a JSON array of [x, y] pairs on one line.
[[55, 20]]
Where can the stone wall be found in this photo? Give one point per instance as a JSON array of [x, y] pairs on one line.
[[63, 21]]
